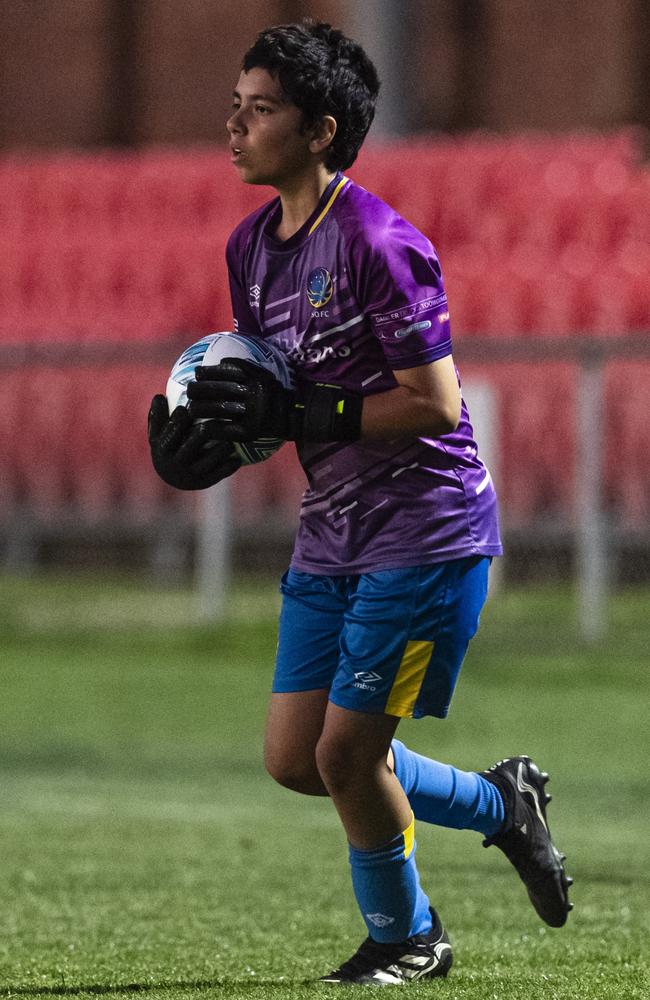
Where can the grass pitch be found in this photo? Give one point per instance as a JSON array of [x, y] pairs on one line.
[[144, 849]]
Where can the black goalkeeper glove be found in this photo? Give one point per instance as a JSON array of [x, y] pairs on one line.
[[186, 454], [248, 403]]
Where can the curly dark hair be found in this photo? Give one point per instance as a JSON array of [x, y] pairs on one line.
[[322, 72]]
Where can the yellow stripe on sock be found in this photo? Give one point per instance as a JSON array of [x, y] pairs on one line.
[[335, 193], [409, 838], [406, 686]]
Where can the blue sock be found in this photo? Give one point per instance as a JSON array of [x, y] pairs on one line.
[[387, 886], [441, 794]]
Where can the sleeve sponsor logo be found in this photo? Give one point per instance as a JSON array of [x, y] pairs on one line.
[[424, 324], [411, 311]]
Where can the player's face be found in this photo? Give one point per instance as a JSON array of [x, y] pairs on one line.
[[266, 142]]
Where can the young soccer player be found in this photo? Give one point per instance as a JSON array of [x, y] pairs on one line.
[[398, 524]]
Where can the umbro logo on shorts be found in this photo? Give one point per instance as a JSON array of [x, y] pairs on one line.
[[363, 680]]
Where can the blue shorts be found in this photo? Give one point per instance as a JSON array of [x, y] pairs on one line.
[[387, 642]]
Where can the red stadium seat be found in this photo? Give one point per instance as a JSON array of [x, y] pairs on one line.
[[533, 481]]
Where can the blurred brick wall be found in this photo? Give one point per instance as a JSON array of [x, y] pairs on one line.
[[553, 65], [55, 72], [189, 63], [438, 60], [139, 72]]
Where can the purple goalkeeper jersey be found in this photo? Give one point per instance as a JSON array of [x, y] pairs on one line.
[[355, 295]]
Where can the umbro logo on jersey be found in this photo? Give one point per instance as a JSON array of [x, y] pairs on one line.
[[255, 291]]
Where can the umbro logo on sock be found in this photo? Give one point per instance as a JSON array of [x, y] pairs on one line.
[[380, 919]]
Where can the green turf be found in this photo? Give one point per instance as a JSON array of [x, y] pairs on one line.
[[143, 848]]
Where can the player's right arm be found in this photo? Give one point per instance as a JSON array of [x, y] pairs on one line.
[[245, 319], [185, 452]]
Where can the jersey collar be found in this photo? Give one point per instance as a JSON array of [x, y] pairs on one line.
[[325, 202]]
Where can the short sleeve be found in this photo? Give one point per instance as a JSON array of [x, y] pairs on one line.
[[400, 288], [244, 319]]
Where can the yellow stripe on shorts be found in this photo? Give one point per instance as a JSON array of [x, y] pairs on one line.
[[408, 682], [409, 838]]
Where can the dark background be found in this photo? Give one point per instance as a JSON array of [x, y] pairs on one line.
[[89, 73]]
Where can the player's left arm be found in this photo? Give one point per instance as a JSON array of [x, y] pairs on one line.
[[425, 403], [247, 402]]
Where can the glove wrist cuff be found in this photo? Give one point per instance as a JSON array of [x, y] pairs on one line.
[[328, 413]]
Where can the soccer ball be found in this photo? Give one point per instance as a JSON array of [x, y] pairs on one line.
[[212, 349]]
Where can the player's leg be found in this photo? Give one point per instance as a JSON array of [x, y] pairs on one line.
[[445, 795], [506, 803], [406, 940], [307, 656], [381, 669], [405, 635], [352, 760], [452, 596], [293, 728]]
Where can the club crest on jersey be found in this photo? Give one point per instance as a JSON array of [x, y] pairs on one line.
[[320, 287]]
